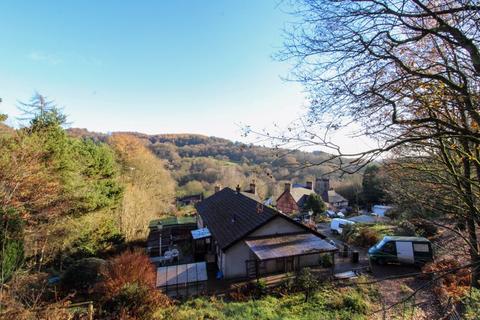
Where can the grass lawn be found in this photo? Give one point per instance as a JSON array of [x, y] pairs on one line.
[[326, 303]]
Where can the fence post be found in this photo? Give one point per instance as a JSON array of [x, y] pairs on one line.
[[90, 311], [384, 311]]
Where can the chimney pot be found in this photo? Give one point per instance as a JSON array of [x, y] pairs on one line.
[[217, 188], [238, 188], [253, 187], [288, 186]]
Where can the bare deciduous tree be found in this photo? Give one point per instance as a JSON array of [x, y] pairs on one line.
[[407, 71]]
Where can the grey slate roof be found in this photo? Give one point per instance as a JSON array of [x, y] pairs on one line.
[[253, 196], [231, 216], [300, 195], [334, 197]]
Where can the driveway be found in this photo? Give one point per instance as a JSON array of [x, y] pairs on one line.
[[344, 264]]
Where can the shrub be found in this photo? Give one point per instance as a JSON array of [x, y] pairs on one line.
[[128, 267], [83, 275], [355, 303], [351, 300], [254, 290], [326, 260], [135, 301], [348, 232], [367, 237], [286, 287], [425, 228], [307, 282], [11, 242], [128, 287], [471, 302], [406, 228], [315, 203], [393, 214]]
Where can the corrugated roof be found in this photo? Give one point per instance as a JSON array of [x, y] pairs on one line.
[[288, 245]]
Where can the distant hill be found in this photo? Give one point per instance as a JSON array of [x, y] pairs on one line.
[[198, 162]]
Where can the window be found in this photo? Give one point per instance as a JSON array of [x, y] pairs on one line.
[[421, 247], [389, 247]]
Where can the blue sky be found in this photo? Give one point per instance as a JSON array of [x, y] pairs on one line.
[[150, 66]]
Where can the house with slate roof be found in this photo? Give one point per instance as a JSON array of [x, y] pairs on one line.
[[293, 199], [334, 200], [249, 239]]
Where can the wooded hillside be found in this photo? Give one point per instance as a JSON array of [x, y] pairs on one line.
[[198, 163]]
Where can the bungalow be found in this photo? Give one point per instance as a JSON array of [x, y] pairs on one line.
[[249, 239]]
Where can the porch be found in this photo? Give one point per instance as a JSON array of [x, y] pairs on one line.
[[288, 253]]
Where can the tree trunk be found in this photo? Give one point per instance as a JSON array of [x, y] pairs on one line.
[[471, 227], [474, 256]]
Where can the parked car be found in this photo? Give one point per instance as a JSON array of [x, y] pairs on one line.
[[337, 225], [330, 214], [409, 250]]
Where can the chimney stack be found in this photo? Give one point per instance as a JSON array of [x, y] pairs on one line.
[[322, 185], [288, 186], [217, 188], [309, 185], [253, 187], [326, 183], [238, 188]]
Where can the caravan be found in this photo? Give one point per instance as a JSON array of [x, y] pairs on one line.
[[337, 225]]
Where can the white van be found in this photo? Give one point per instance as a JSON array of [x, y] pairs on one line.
[[337, 225]]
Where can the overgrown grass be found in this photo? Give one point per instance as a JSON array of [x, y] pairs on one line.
[[383, 229], [326, 303], [366, 235]]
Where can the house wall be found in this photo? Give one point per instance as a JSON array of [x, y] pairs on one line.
[[276, 226], [286, 203], [235, 257], [310, 260], [199, 222]]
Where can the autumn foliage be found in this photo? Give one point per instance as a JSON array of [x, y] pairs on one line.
[[149, 187], [454, 284], [129, 289], [128, 267]]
